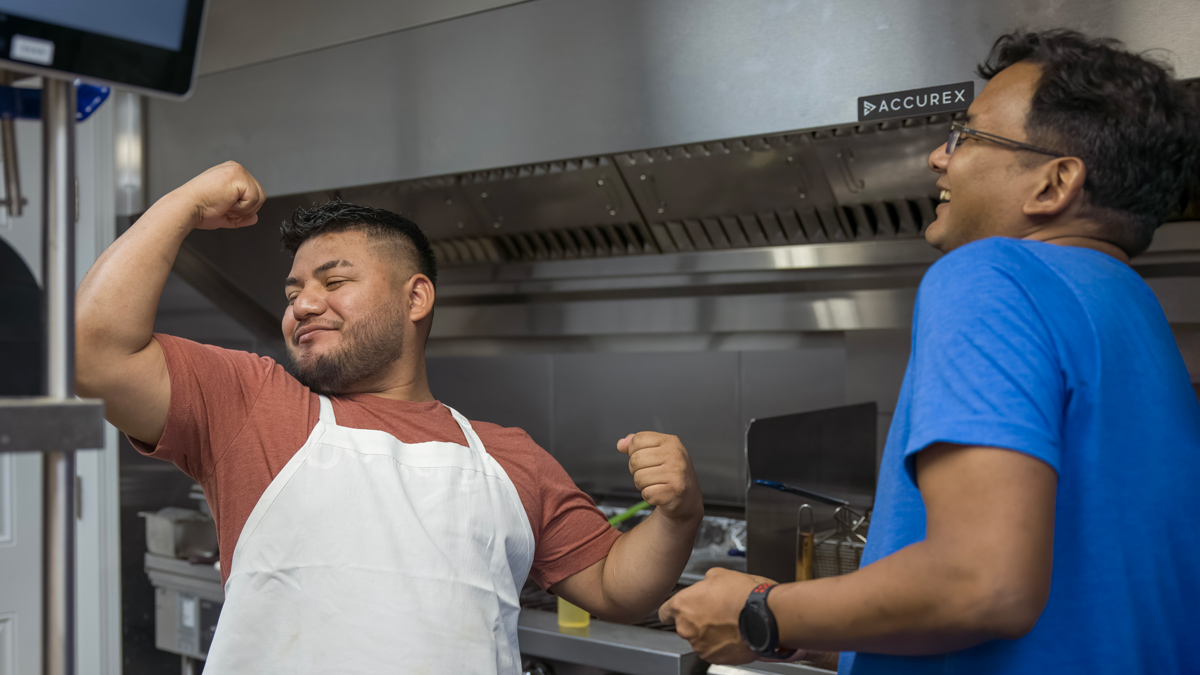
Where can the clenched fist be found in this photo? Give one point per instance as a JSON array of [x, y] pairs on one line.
[[662, 471], [225, 196], [706, 615]]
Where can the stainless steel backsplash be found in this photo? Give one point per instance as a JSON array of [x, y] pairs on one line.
[[577, 404]]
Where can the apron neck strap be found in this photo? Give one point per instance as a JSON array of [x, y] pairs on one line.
[[472, 438], [327, 410]]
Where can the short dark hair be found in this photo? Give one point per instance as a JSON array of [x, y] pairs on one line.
[[339, 216], [1135, 128]]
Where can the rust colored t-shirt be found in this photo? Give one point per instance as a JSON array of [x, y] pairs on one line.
[[235, 420]]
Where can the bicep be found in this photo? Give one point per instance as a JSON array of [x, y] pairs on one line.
[[136, 393], [990, 513], [585, 588]]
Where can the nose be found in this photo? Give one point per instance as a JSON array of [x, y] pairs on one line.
[[308, 303], [939, 159]]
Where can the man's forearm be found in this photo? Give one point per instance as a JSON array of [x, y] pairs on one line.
[[118, 298], [912, 602], [644, 565]]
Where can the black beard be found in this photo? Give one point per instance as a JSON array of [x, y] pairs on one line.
[[364, 351]]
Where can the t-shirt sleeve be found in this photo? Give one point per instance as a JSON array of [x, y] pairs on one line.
[[984, 369], [212, 393], [575, 534], [571, 534]]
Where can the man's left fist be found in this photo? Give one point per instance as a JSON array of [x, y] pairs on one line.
[[662, 471]]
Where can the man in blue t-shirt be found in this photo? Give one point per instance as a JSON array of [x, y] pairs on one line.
[[1041, 477]]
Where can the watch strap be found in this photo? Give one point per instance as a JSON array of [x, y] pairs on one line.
[[772, 650]]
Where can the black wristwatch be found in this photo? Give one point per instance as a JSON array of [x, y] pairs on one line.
[[757, 623]]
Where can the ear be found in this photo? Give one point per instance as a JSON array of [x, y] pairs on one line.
[[420, 298], [1060, 186]]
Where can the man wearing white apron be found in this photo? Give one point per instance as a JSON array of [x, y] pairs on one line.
[[364, 527]]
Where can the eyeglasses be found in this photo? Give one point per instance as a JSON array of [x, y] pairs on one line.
[[958, 130]]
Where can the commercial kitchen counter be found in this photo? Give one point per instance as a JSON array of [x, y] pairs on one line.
[[631, 650], [188, 600]]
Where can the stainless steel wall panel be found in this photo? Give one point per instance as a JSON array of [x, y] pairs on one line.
[[876, 361], [600, 398], [783, 382], [1178, 297], [509, 390], [1188, 339]]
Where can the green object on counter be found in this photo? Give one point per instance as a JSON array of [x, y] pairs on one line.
[[627, 513]]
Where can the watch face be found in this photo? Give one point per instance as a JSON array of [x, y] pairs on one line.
[[755, 631]]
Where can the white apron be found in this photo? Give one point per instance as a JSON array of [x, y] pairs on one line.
[[369, 555]]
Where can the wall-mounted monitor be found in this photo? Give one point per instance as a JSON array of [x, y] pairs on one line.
[[145, 45]]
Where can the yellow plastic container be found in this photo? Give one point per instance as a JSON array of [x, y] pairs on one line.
[[570, 616]]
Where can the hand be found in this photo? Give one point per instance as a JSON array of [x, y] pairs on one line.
[[225, 196], [662, 471], [706, 615]]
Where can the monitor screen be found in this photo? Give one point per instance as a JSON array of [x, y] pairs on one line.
[[147, 45]]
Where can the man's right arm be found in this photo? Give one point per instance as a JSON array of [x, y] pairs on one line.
[[116, 356]]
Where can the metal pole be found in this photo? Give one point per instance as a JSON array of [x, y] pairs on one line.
[[58, 469], [13, 199]]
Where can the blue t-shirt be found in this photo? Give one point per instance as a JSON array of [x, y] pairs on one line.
[[1064, 354]]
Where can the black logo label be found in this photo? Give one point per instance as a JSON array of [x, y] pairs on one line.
[[946, 98]]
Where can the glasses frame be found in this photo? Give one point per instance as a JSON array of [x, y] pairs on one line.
[[958, 130]]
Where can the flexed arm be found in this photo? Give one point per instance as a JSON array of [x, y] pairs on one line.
[[644, 565], [116, 358]]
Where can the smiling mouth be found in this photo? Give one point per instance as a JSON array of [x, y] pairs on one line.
[[944, 196], [309, 336], [311, 329]]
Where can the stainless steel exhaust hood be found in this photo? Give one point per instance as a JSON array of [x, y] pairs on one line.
[[855, 183], [563, 95]]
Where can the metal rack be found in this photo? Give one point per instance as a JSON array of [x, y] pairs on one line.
[[839, 551], [57, 424]]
